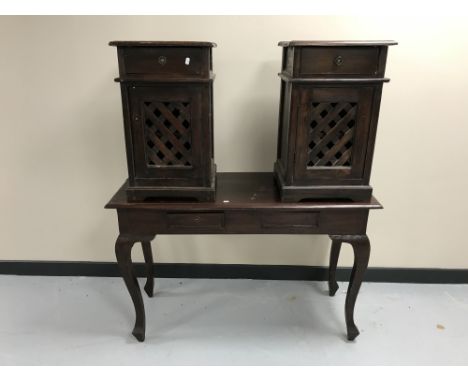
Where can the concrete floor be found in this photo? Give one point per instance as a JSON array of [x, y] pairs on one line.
[[87, 321]]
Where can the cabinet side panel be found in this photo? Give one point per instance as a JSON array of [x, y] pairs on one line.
[[284, 123], [206, 137], [382, 60], [128, 133], [288, 60], [372, 132], [280, 122], [211, 120]]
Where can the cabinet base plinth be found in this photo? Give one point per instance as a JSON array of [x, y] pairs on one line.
[[198, 193], [295, 193]]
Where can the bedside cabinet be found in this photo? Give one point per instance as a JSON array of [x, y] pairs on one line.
[[167, 98], [329, 108]]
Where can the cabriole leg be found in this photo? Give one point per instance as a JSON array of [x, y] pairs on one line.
[[148, 254], [334, 255], [361, 247], [123, 252]]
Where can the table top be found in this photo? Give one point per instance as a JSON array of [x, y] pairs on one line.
[[240, 191]]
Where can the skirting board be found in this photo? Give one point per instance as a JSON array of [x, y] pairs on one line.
[[234, 271]]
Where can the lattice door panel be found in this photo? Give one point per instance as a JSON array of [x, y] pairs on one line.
[[331, 134], [168, 133]]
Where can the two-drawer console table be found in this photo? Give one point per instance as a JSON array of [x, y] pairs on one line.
[[246, 203]]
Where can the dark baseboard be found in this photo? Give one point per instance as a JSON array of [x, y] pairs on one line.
[[234, 271]]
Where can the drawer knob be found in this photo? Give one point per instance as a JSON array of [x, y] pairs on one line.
[[338, 60], [162, 60]]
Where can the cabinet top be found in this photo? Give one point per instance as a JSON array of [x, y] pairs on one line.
[[164, 43], [337, 43]]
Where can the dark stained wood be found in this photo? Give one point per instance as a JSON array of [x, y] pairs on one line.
[[336, 43], [317, 80], [123, 249], [354, 61], [148, 255], [167, 91], [142, 78], [361, 247], [213, 221], [246, 203], [334, 256], [294, 219], [329, 107], [240, 191], [167, 61], [163, 43]]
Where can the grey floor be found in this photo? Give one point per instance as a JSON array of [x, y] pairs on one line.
[[87, 321]]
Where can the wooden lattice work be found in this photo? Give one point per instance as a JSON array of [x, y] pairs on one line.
[[331, 133], [168, 134]]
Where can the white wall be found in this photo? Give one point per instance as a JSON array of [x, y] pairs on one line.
[[62, 150]]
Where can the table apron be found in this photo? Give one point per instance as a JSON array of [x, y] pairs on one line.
[[334, 221]]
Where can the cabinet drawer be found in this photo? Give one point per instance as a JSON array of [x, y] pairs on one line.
[[202, 220], [289, 219], [167, 61], [339, 61]]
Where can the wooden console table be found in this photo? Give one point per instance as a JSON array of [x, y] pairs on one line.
[[246, 203]]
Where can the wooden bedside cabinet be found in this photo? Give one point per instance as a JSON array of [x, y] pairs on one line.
[[329, 108], [167, 98]]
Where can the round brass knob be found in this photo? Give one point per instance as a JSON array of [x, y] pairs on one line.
[[338, 60]]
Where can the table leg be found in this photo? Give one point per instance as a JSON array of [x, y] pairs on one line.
[[334, 255], [123, 252], [148, 254], [361, 247]]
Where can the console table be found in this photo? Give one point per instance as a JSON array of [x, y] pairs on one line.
[[246, 203]]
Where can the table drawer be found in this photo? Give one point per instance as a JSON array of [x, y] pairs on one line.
[[339, 61], [289, 219], [167, 61], [201, 220]]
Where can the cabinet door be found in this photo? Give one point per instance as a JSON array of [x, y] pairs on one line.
[[167, 131], [332, 134]]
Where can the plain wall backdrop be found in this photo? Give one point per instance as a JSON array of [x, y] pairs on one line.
[[62, 152]]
